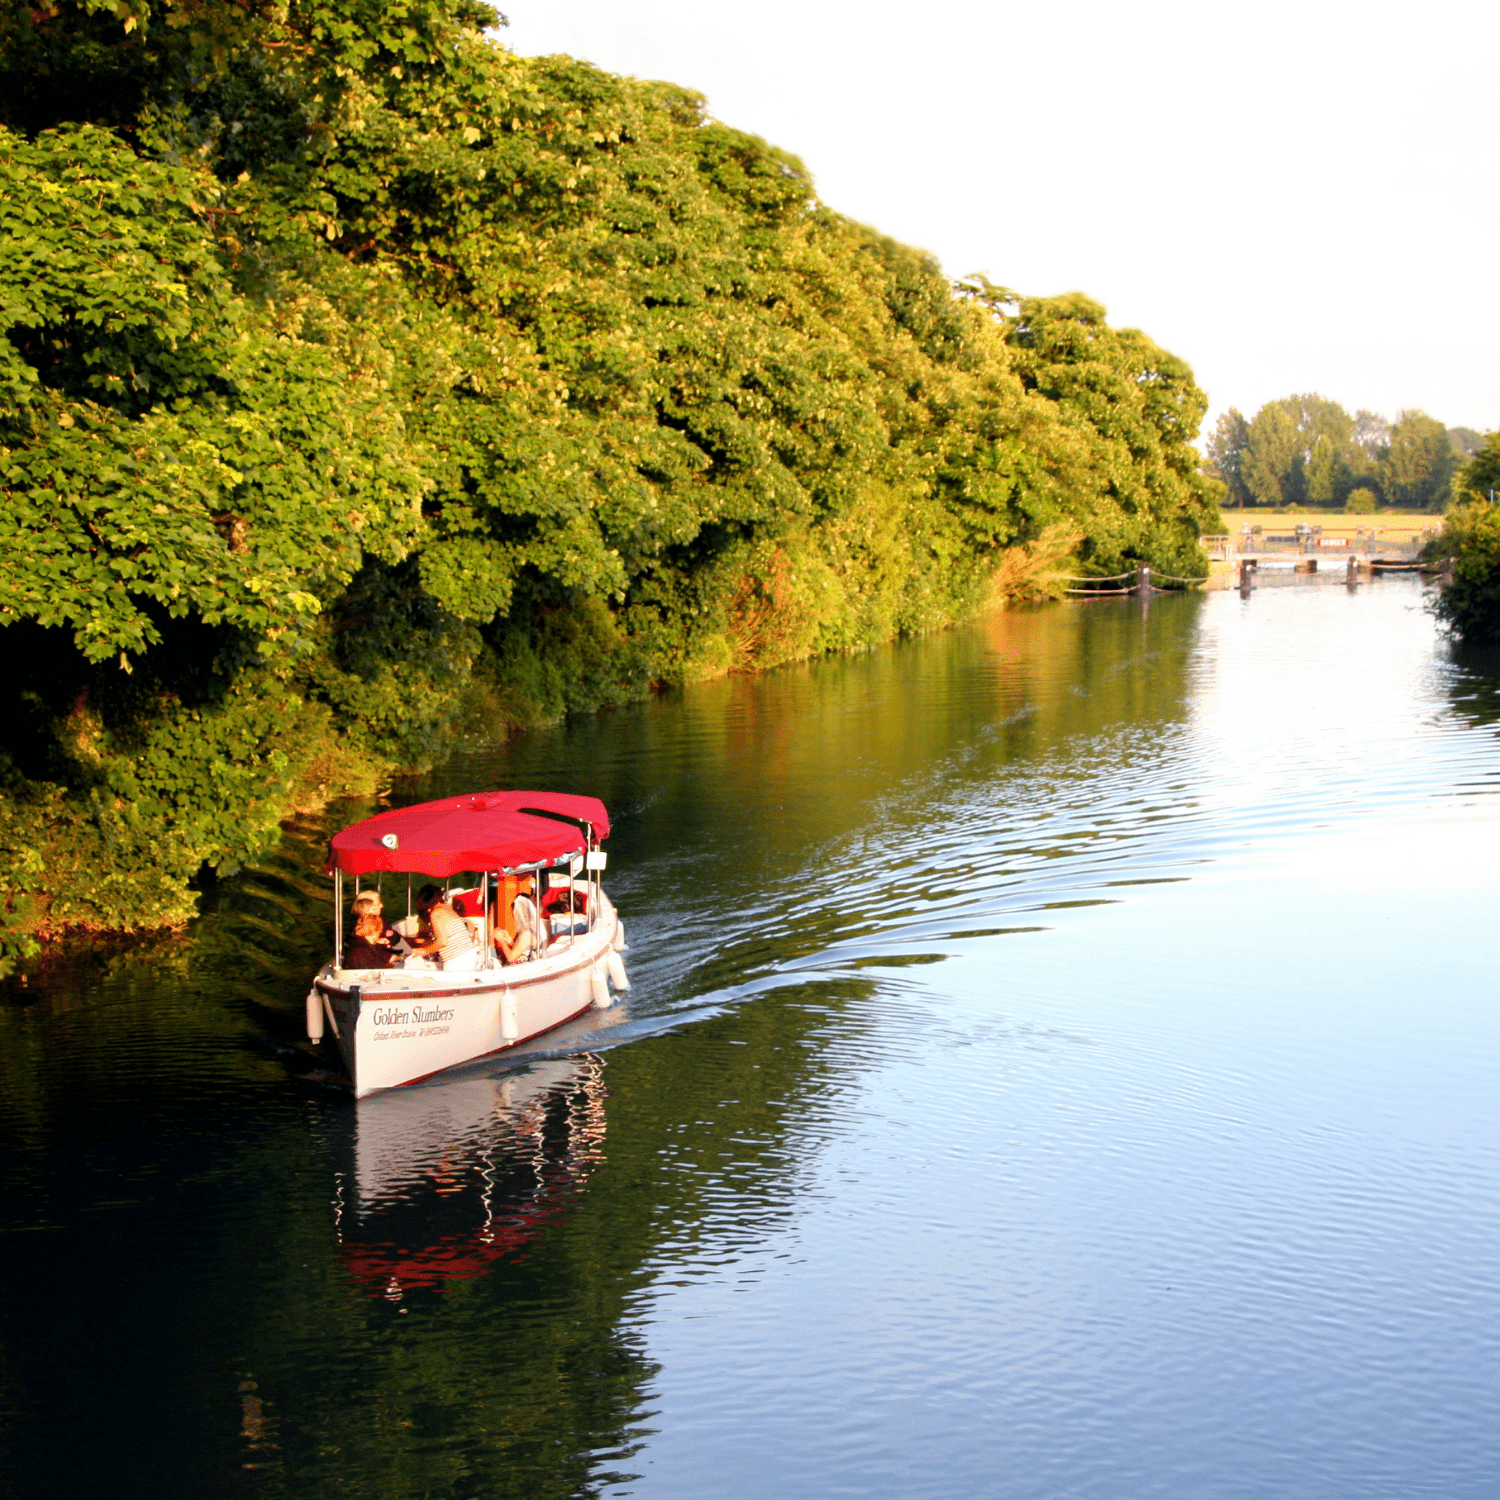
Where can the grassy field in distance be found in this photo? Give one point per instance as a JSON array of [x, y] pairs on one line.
[[1394, 525]]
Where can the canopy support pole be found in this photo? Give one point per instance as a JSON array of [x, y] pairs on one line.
[[338, 918]]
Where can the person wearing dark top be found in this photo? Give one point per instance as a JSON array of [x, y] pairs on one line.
[[367, 903], [368, 949]]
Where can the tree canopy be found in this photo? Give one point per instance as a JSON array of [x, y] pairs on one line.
[[1307, 450], [363, 382]]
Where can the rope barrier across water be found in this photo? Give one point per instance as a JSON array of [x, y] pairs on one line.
[[1150, 580]]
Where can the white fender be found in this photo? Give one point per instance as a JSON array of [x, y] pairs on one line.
[[601, 990], [616, 966], [509, 1028], [314, 1016], [618, 941]]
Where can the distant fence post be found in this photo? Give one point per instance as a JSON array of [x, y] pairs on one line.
[[1143, 580]]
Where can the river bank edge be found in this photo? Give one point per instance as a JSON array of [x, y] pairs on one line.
[[36, 947]]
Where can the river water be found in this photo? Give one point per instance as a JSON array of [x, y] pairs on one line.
[[1061, 1062]]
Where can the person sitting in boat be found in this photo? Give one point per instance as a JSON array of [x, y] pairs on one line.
[[368, 903], [368, 949], [514, 946], [566, 909], [452, 943]]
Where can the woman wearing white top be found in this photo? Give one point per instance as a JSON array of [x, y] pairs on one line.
[[452, 942]]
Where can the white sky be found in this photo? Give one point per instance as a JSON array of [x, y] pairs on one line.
[[1293, 196]]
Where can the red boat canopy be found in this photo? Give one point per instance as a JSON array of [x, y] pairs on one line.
[[483, 831]]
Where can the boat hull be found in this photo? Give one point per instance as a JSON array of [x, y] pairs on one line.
[[395, 1026]]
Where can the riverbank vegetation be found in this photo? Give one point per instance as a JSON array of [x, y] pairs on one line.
[[364, 385], [1308, 451], [1468, 550]]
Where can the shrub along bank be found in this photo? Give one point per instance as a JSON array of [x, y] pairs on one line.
[[1468, 550], [364, 383]]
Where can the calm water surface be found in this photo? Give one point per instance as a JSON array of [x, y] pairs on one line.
[[1061, 1063]]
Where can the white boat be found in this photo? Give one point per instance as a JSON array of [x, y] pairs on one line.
[[398, 1024]]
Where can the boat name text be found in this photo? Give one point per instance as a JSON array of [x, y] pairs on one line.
[[390, 1016]]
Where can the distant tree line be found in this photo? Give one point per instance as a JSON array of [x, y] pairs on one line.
[[1307, 450]]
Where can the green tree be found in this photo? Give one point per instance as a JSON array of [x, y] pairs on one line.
[[1301, 450], [1419, 463], [1274, 461], [1479, 478], [1226, 455], [1362, 501], [1134, 483], [1329, 474], [1469, 600]]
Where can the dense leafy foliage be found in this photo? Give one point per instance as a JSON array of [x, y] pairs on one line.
[[1468, 601], [363, 382], [1468, 547], [1479, 478]]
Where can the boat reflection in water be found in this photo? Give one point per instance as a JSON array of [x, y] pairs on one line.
[[440, 1183]]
